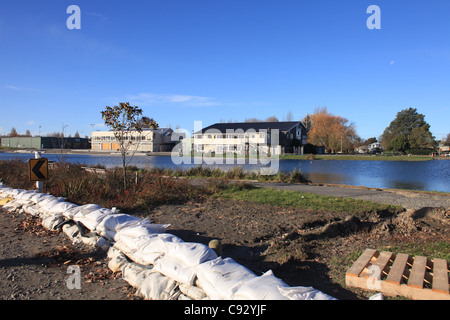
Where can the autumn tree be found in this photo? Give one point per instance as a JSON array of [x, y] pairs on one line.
[[331, 131], [127, 125]]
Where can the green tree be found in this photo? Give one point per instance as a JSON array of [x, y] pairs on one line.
[[421, 138], [127, 125], [399, 143], [408, 130], [307, 122]]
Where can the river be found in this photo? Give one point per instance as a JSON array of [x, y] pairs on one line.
[[412, 175]]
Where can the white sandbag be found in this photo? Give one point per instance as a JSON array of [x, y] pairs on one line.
[[220, 278], [265, 287], [303, 293], [130, 249], [59, 207], [116, 221], [145, 250], [26, 195], [51, 221], [48, 203], [117, 259], [81, 210], [92, 219], [135, 274], [193, 292], [14, 192], [93, 240], [72, 231], [103, 244], [175, 269], [141, 228], [156, 286], [191, 253], [38, 197], [32, 209], [13, 205]]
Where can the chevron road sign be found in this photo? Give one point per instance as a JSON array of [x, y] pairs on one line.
[[38, 169]]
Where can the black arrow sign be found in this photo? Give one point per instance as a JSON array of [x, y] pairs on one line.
[[37, 170]]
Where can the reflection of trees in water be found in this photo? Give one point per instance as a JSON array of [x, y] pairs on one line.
[[318, 177], [416, 185]]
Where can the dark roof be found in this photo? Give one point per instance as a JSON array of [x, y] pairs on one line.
[[257, 126]]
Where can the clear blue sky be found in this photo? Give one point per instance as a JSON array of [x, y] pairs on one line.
[[187, 60]]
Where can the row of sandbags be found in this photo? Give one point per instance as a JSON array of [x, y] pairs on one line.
[[159, 264]]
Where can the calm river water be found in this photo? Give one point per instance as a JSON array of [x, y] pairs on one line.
[[414, 175]]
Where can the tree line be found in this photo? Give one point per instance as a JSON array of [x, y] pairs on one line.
[[407, 133], [14, 133]]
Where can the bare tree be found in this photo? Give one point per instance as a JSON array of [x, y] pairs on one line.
[[13, 133], [272, 119], [127, 125]]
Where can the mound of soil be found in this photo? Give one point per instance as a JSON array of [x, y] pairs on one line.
[[302, 247]]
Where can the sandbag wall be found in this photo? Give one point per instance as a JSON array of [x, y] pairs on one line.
[[159, 264]]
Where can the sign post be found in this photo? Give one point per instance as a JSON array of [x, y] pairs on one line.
[[39, 170]]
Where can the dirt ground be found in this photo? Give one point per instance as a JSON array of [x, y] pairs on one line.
[[303, 248], [34, 265]]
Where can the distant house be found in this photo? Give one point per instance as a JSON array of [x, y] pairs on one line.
[[248, 137], [373, 146], [149, 140]]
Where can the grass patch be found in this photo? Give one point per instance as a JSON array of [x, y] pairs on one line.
[[434, 249], [301, 200], [236, 173]]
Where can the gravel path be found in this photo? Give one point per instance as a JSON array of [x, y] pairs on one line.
[[406, 199]]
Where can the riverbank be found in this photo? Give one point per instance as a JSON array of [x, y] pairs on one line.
[[356, 157]]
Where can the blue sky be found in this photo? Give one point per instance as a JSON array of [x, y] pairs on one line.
[[188, 60]]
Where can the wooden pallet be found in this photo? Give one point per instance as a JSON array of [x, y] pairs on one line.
[[392, 274]]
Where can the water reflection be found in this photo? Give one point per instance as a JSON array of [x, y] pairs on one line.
[[318, 177], [420, 175]]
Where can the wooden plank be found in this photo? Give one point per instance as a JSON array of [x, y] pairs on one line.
[[417, 272], [440, 276], [383, 261], [398, 269], [362, 262]]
